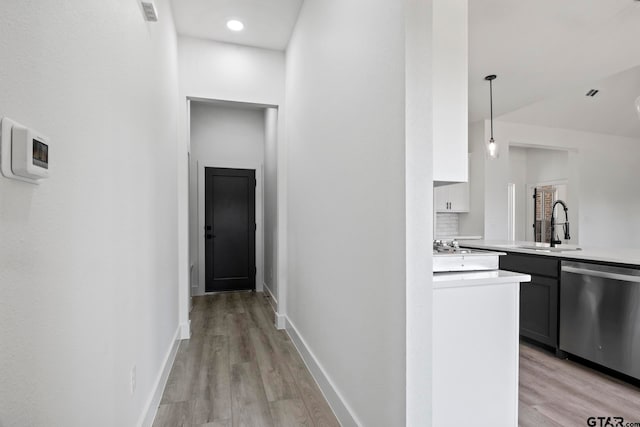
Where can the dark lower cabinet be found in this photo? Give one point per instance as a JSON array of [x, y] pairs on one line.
[[539, 310], [538, 298]]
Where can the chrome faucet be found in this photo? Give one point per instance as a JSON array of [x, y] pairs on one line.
[[554, 240]]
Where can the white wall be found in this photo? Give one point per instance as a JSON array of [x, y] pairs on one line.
[[88, 258], [543, 165], [603, 199], [346, 186], [472, 223], [224, 136], [271, 201], [221, 71], [419, 176], [518, 177]]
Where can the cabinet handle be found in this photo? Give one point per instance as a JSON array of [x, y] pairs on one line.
[[602, 274]]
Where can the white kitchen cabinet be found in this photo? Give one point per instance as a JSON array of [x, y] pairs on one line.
[[475, 348], [450, 90], [451, 198]]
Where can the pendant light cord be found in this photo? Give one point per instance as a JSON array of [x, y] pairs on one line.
[[491, 78], [491, 104]]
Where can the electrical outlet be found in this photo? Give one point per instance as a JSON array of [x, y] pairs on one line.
[[133, 379]]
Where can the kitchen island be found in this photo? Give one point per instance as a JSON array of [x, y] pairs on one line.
[[476, 347], [581, 301]]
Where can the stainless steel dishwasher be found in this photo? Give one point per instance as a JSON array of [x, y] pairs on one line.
[[600, 315]]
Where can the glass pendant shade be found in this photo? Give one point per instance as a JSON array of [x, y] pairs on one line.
[[492, 149], [638, 106]]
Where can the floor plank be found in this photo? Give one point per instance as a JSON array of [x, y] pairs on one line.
[[222, 423], [241, 350], [290, 413], [173, 415], [316, 404], [276, 377], [249, 402]]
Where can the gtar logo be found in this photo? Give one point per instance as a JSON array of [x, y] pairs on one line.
[[605, 422]]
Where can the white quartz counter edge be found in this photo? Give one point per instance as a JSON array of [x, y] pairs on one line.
[[461, 279], [629, 256], [455, 237]]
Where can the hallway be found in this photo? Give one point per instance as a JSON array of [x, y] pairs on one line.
[[238, 370]]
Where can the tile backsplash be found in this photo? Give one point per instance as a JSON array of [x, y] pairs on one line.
[[447, 224]]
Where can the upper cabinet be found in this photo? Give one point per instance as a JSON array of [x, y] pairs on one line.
[[450, 90], [451, 198]]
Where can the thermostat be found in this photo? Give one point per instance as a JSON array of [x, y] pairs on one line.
[[24, 152]]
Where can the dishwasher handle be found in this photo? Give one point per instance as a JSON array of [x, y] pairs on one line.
[[602, 274]]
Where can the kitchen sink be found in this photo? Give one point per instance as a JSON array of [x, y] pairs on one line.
[[548, 248]]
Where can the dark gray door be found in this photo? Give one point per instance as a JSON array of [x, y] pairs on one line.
[[230, 229]]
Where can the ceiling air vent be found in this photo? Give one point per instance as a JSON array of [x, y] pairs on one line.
[[592, 92], [149, 10]]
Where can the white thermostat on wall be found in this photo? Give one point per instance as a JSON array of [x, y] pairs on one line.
[[24, 152]]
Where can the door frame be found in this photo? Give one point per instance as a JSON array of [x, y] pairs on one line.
[[187, 257], [201, 266]]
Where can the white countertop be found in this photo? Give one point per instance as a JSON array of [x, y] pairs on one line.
[[452, 237], [629, 256], [461, 279]]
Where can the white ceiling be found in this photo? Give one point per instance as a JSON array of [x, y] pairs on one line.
[[548, 53], [611, 111], [267, 24]]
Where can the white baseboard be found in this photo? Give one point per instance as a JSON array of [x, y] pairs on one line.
[[337, 403], [185, 330], [151, 407], [281, 321], [272, 299]]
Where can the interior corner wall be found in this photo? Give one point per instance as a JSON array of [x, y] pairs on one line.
[[210, 70], [225, 137], [603, 199], [88, 267], [271, 201], [346, 189]]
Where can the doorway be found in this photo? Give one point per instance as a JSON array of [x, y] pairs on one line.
[[230, 229], [540, 176], [541, 197]]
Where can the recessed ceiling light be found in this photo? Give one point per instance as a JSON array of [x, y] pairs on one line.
[[235, 25]]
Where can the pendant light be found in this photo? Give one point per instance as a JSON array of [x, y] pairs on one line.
[[491, 145], [638, 106]]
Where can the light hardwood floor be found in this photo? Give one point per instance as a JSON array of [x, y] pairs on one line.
[[562, 393], [238, 370]]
